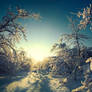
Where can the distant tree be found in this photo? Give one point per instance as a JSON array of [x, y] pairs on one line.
[[60, 46]]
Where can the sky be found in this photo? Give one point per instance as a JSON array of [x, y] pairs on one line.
[[42, 34]]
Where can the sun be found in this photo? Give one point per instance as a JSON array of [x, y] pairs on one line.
[[38, 54]]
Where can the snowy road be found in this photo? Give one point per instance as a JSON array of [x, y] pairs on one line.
[[36, 82]]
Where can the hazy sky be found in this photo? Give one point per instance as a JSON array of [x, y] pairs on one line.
[[44, 33]]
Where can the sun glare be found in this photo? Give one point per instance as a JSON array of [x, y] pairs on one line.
[[38, 54]]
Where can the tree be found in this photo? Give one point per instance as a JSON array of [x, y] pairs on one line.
[[78, 38], [70, 47], [85, 17], [11, 32]]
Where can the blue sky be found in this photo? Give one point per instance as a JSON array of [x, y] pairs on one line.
[[54, 22]]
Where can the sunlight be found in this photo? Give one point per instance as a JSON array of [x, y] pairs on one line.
[[38, 54]]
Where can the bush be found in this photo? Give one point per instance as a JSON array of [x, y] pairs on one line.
[[10, 67]]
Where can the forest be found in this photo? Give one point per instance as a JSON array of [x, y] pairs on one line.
[[69, 69]]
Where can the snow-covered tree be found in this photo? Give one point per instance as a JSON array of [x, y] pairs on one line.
[[85, 17]]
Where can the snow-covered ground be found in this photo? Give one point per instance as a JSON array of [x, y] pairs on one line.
[[34, 82]]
